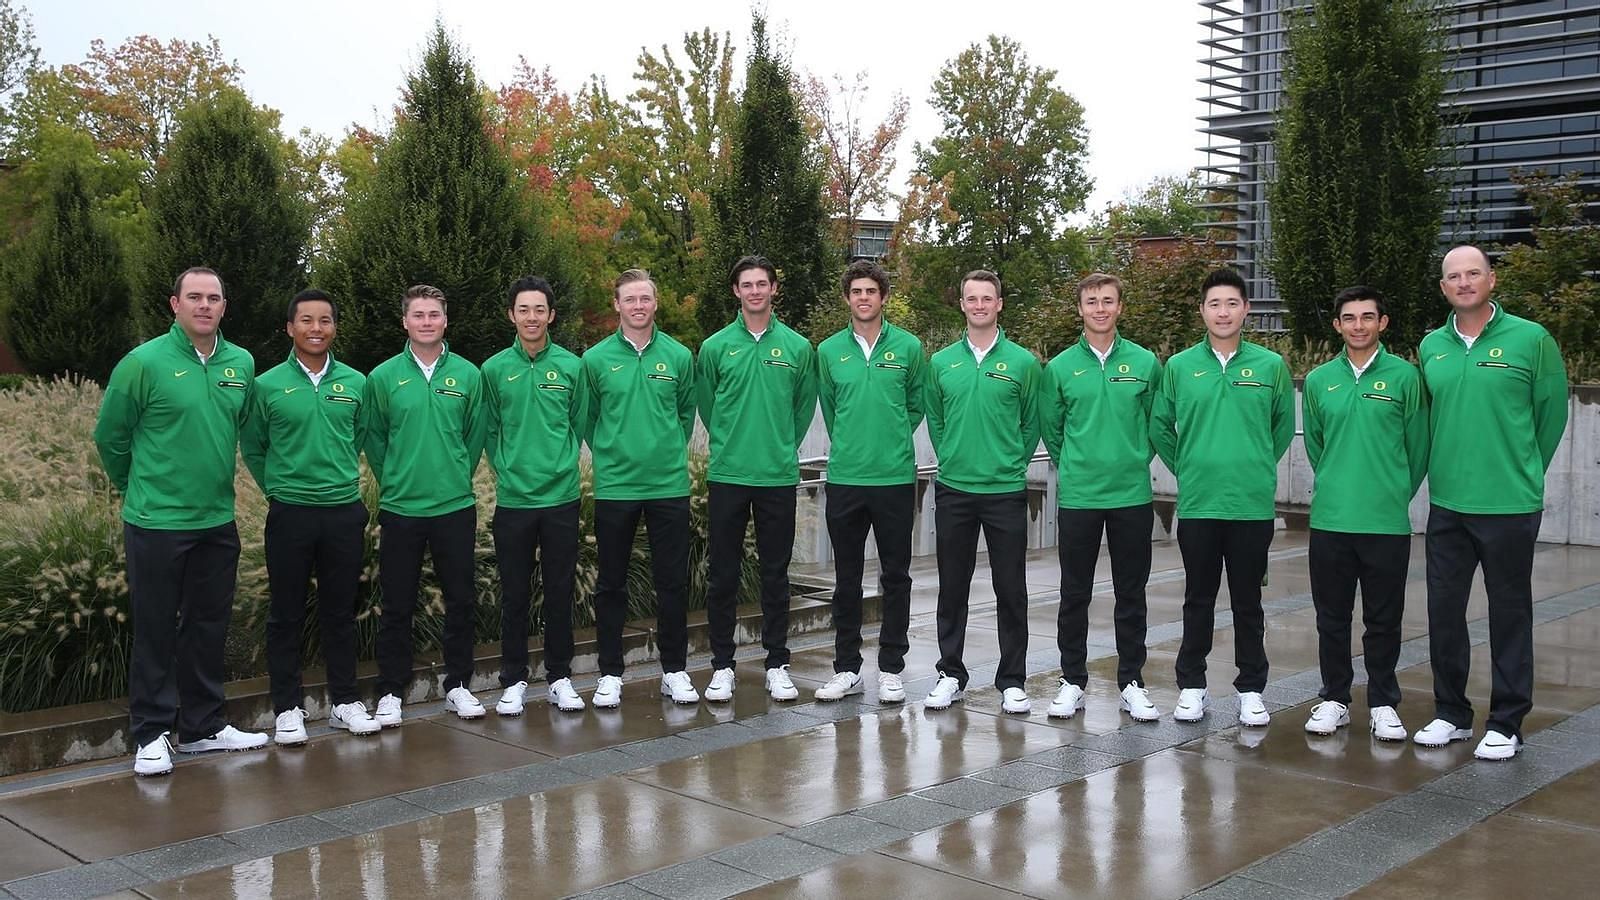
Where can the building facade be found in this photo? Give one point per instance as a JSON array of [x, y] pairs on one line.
[[1524, 87]]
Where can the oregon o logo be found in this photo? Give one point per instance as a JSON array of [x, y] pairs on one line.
[[449, 382], [889, 356], [1123, 368], [661, 367], [550, 375], [1246, 372], [1496, 353], [338, 389], [777, 351], [228, 373], [1379, 386], [999, 367]]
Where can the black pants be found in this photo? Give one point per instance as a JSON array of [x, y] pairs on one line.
[[1207, 545], [1003, 518], [730, 508], [889, 511], [667, 524], [1127, 530], [553, 532], [1457, 544], [300, 540], [1338, 561], [180, 588], [449, 540]]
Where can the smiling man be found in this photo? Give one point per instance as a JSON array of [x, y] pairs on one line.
[[1094, 413], [167, 435], [757, 383], [535, 399], [1498, 394], [424, 434], [302, 444], [1222, 419], [1366, 436], [982, 420]]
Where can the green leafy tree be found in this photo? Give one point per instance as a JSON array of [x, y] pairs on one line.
[[1357, 196], [1552, 280], [442, 206], [768, 199], [1168, 206], [224, 200], [1010, 157], [66, 292], [19, 58]]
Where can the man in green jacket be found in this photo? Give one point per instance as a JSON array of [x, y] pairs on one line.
[[302, 443], [1222, 419], [1094, 412], [167, 434], [535, 399], [871, 384], [1366, 436], [757, 385], [1498, 403], [982, 392], [641, 414], [425, 430]]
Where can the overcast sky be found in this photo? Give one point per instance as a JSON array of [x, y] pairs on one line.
[[330, 63]]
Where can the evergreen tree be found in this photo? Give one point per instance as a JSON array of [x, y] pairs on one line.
[[66, 291], [1356, 197], [222, 200], [768, 199], [442, 207]]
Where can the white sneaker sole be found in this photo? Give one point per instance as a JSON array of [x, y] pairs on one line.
[[1493, 756], [1061, 712], [1460, 734], [151, 773], [209, 747], [788, 696], [1017, 710], [957, 697], [1184, 715], [1391, 738], [508, 711], [892, 696], [395, 724], [1154, 715], [1324, 731], [465, 713], [1260, 721], [719, 698], [685, 701], [602, 703], [857, 688], [292, 740], [346, 726]]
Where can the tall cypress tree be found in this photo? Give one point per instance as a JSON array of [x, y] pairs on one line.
[[442, 208], [222, 200], [1357, 197], [768, 198], [66, 288]]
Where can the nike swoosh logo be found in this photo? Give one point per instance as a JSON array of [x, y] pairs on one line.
[[955, 365], [1077, 372], [180, 374], [733, 352], [1334, 387], [844, 359], [615, 368], [1199, 373], [404, 382], [516, 376], [1440, 355], [290, 390]]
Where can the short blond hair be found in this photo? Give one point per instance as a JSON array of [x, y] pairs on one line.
[[629, 277], [423, 292], [1099, 279]]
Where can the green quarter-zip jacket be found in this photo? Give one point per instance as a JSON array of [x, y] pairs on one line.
[[871, 406], [1367, 440], [302, 441], [1221, 430], [641, 414], [982, 417], [168, 431], [424, 436], [1497, 412], [757, 398], [536, 409], [1095, 420]]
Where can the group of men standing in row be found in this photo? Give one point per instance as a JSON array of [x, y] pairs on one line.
[[1220, 415]]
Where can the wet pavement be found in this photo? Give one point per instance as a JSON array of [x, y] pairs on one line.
[[764, 799]]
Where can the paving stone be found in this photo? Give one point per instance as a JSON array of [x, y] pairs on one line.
[[661, 749], [185, 858], [530, 779], [700, 879], [1500, 783], [1563, 746], [971, 794], [371, 815], [289, 834], [1350, 841], [1077, 760], [623, 891], [912, 813], [457, 795], [600, 763], [1287, 696], [1442, 809], [1124, 744], [1240, 888], [849, 834], [1027, 776], [851, 707], [1311, 876], [93, 880], [1586, 722], [777, 857]]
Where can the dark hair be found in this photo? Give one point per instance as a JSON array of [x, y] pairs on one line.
[[979, 275], [177, 286], [865, 268], [312, 296], [1358, 292], [1226, 277], [530, 283], [746, 263]]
